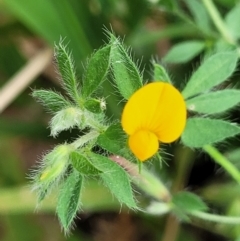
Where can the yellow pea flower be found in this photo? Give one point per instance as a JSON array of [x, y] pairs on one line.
[[156, 112]]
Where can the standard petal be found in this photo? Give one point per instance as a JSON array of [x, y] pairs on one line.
[[171, 115], [140, 110], [144, 144]]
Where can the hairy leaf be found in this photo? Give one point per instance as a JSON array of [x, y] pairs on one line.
[[51, 100], [203, 131], [83, 164], [160, 73], [97, 70], [184, 52], [126, 74], [214, 102], [69, 199], [213, 71], [115, 178], [66, 69], [66, 119]]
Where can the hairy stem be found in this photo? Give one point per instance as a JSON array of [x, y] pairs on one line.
[[85, 139]]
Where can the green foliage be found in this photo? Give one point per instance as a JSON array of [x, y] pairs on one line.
[[184, 203], [113, 139], [67, 70], [69, 199], [94, 105], [67, 164], [184, 52], [160, 73], [214, 102], [83, 164], [51, 100], [188, 202], [126, 74], [96, 71], [101, 151], [200, 14], [213, 71], [115, 178], [203, 131], [232, 20]]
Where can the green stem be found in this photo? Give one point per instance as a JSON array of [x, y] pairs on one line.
[[184, 160], [223, 161], [218, 21], [85, 139], [93, 122], [215, 217]]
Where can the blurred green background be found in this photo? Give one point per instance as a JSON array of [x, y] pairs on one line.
[[29, 28]]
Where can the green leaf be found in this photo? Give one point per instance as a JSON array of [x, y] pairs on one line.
[[83, 164], [66, 119], [212, 72], [188, 202], [93, 105], [97, 70], [214, 102], [126, 74], [233, 20], [115, 178], [69, 199], [160, 73], [184, 52], [200, 14], [51, 100], [203, 131], [67, 70], [114, 140]]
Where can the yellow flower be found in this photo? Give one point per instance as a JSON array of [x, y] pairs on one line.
[[156, 112]]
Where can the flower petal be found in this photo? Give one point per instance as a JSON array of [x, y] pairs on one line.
[[141, 108], [172, 115], [157, 107], [144, 144]]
